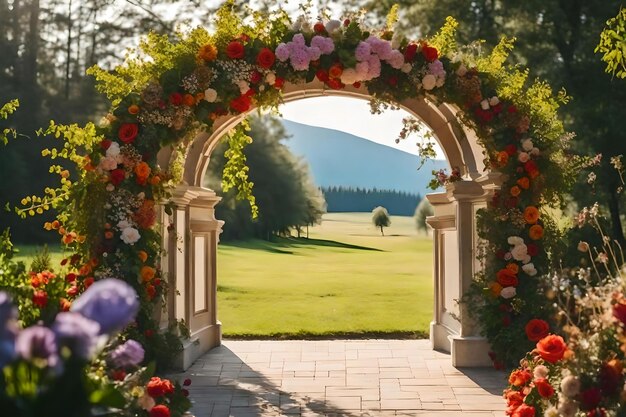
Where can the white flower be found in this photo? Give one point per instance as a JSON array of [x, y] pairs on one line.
[[461, 71], [146, 402], [515, 240], [110, 187], [130, 235], [349, 76], [441, 82], [270, 78], [494, 101], [519, 252], [527, 144], [396, 40], [551, 412], [529, 269], [114, 150], [484, 104], [523, 157], [406, 68], [568, 408], [210, 95], [243, 86], [123, 224], [583, 246], [570, 386], [108, 163], [429, 82], [332, 25], [535, 151], [541, 371], [141, 195], [508, 292], [525, 259]]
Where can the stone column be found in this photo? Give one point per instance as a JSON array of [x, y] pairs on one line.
[[192, 254]]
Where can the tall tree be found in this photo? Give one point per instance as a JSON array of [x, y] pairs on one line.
[[423, 210], [380, 218]]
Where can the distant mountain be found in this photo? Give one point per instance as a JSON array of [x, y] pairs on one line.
[[341, 159]]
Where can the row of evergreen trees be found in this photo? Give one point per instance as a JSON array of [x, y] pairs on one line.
[[349, 199]]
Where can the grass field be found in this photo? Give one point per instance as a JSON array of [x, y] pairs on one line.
[[346, 279]]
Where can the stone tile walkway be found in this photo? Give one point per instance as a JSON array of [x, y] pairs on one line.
[[339, 378]]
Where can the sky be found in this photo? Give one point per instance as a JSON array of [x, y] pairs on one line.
[[352, 116]]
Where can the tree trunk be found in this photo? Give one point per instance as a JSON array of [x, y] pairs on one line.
[[381, 231], [616, 221], [68, 52]]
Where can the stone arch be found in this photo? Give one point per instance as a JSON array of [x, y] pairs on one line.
[[195, 230]]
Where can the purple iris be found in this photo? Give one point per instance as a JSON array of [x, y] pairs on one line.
[[80, 334], [110, 302], [128, 354]]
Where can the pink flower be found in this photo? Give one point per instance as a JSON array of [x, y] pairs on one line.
[[300, 60], [314, 53], [325, 45], [363, 51], [362, 70], [436, 69], [282, 52], [396, 60], [374, 67]]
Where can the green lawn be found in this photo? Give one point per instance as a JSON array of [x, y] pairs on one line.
[[345, 280]]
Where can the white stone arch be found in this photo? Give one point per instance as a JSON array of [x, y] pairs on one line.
[[193, 233]]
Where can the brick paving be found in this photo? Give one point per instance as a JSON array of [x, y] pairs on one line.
[[339, 378]]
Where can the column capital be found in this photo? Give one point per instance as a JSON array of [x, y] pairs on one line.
[[465, 191]]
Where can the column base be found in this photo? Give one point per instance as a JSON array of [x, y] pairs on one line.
[[439, 337], [200, 342], [470, 352]]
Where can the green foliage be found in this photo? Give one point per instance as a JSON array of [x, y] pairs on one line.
[[445, 39], [393, 16], [235, 170], [380, 218], [612, 45], [5, 111]]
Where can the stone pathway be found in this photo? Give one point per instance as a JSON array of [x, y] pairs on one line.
[[339, 378]]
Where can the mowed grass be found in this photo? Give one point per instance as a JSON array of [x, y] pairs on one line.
[[346, 280]]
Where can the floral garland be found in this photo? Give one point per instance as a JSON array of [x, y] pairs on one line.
[[174, 89]]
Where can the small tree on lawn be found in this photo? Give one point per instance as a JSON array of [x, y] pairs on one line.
[[423, 210], [380, 218]]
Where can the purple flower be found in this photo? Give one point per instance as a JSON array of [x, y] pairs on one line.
[[129, 354], [282, 52], [80, 334], [363, 51], [37, 342], [325, 45], [112, 303], [8, 329]]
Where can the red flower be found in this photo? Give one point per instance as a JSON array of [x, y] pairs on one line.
[[88, 282], [148, 333], [265, 58], [105, 144], [510, 149], [590, 398], [71, 277], [346, 22], [256, 77], [176, 99], [520, 378], [118, 375], [40, 299], [611, 376], [235, 50], [319, 27], [507, 278], [185, 392], [158, 387], [128, 132], [524, 411], [335, 84], [514, 398], [551, 348], [530, 166], [409, 52], [241, 104], [151, 291], [430, 53], [187, 382], [544, 388], [117, 176], [160, 411], [279, 83], [533, 250], [72, 291], [537, 329], [356, 84], [392, 81], [322, 75]]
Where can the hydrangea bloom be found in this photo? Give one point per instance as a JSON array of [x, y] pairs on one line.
[[111, 302], [80, 334], [37, 342], [130, 353], [8, 329]]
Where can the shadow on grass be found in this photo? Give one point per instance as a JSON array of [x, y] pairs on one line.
[[284, 245]]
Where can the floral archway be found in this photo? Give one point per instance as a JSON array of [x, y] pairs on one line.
[[170, 91]]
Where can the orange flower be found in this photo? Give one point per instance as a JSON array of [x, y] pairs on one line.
[[142, 255], [519, 377], [513, 268], [502, 158], [515, 191], [65, 304], [533, 174], [189, 100], [495, 289], [133, 109], [207, 52], [531, 214], [155, 180], [64, 174], [142, 170], [536, 232], [199, 97], [145, 216], [85, 270], [507, 278], [147, 273], [335, 71], [524, 183], [551, 348], [69, 238]]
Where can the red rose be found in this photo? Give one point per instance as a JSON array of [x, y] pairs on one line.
[[118, 375], [356, 84], [551, 348], [40, 299], [72, 291], [117, 176], [71, 277], [256, 77], [510, 149], [158, 387], [185, 392], [409, 52], [335, 84], [148, 333], [319, 27], [322, 75], [533, 250], [544, 388], [105, 144], [537, 329], [392, 81], [279, 83], [160, 411], [524, 411], [514, 398], [176, 99], [265, 58], [430, 53], [512, 109], [187, 382], [128, 132], [88, 282], [235, 50], [520, 378], [241, 104], [619, 309], [530, 166], [507, 278], [590, 398]]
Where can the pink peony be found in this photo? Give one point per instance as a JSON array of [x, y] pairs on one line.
[[396, 59]]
